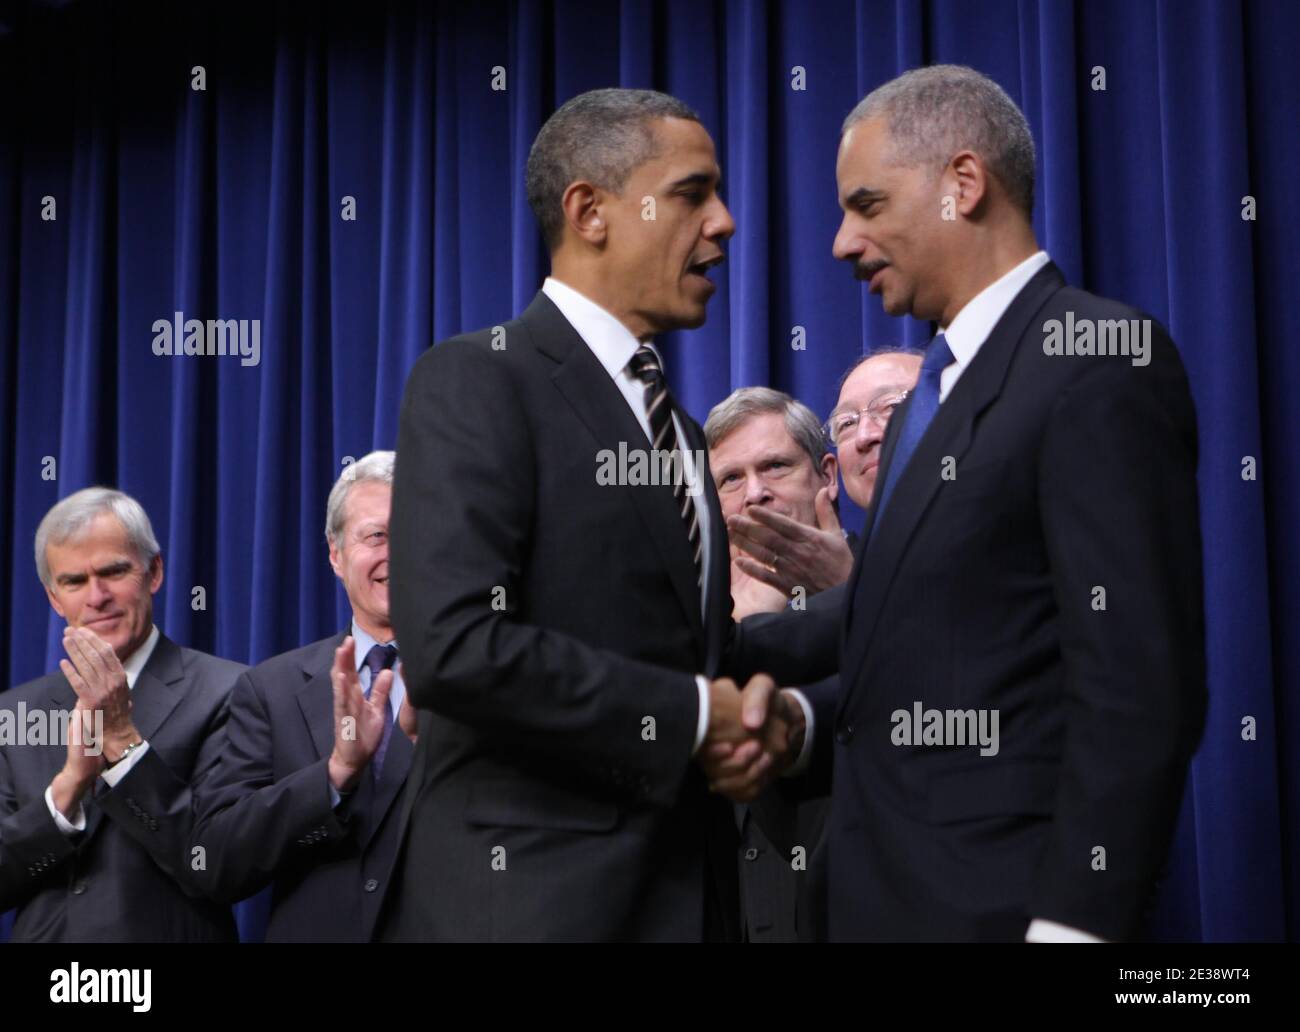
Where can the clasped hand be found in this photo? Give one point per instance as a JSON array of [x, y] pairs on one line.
[[753, 736]]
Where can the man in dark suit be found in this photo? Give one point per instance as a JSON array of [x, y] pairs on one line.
[[317, 748], [560, 572], [1022, 665], [95, 817], [768, 455], [777, 483]]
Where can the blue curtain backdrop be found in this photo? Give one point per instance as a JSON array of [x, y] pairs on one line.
[[226, 203]]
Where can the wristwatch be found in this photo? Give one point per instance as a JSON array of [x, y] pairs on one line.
[[126, 752]]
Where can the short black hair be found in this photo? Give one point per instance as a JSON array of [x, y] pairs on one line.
[[599, 136]]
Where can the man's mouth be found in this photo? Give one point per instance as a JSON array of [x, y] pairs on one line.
[[867, 271], [109, 618], [701, 268]]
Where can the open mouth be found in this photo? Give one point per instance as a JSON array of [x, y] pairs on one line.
[[701, 269]]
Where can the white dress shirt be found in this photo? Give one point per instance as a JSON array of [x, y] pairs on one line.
[[613, 345], [132, 666], [972, 325]]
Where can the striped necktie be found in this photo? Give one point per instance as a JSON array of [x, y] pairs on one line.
[[663, 435]]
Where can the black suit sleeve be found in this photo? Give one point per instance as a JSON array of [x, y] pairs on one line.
[[794, 646], [31, 844], [249, 826], [155, 807], [462, 519], [1118, 503]]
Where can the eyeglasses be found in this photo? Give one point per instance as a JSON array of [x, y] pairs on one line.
[[842, 425]]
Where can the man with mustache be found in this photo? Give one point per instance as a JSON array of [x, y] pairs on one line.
[[1032, 556], [560, 631]]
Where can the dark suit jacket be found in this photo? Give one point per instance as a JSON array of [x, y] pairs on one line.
[[549, 624], [783, 893], [979, 594], [127, 877], [264, 817]]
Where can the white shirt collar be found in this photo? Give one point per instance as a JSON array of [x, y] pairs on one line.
[[609, 340], [135, 662], [981, 313]]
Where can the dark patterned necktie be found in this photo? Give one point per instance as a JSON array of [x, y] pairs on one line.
[[663, 436], [381, 657]]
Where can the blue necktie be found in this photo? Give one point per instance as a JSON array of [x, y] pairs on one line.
[[381, 657], [925, 403]]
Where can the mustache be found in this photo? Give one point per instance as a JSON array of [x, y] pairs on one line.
[[865, 270]]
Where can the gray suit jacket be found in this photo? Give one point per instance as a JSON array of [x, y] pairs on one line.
[[127, 877], [265, 815]]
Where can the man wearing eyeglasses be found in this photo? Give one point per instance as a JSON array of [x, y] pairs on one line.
[[779, 552]]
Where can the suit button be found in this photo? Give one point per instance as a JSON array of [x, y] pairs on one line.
[[751, 853], [844, 734], [78, 888], [370, 885]]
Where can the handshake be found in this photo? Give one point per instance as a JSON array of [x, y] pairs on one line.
[[753, 736]]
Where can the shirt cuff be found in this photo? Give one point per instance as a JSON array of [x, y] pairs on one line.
[[805, 751], [702, 724], [112, 775], [1050, 931], [73, 827]]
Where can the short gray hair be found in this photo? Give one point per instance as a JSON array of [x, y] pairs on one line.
[[742, 405], [70, 518], [377, 466], [934, 112], [599, 136]]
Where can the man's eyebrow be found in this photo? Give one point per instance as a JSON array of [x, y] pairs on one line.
[[862, 195], [114, 567], [695, 179]]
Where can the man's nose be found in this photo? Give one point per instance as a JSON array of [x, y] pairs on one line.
[[720, 226], [99, 594], [868, 432], [848, 243], [756, 491]]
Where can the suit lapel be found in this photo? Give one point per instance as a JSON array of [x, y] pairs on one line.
[[886, 538], [392, 776], [597, 401], [718, 576], [316, 696], [159, 688]]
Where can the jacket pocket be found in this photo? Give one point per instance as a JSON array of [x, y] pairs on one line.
[[993, 790]]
